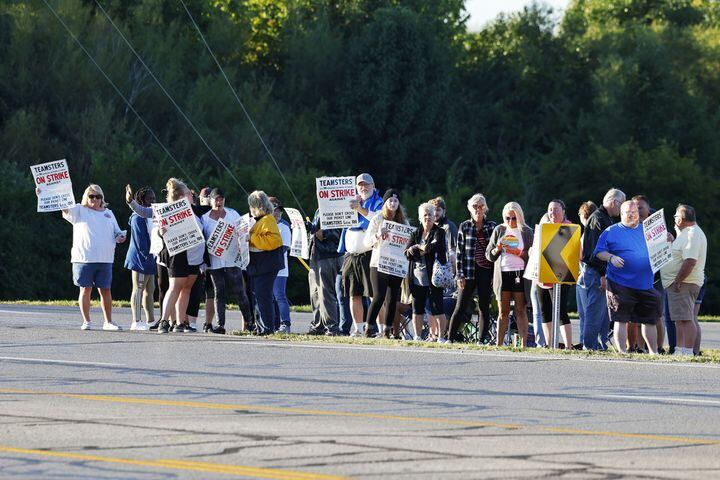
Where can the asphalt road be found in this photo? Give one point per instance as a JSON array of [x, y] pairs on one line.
[[141, 405]]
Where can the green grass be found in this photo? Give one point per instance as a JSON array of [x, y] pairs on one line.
[[708, 356]]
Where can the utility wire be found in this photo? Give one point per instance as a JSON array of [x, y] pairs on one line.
[[117, 90], [247, 114], [170, 97]]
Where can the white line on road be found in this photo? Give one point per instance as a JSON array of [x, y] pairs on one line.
[[70, 362], [17, 312], [474, 353], [662, 399]]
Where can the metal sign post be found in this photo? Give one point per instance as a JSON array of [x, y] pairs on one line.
[[556, 315]]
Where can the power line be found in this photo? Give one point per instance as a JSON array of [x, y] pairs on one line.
[[170, 97], [247, 114], [117, 90]]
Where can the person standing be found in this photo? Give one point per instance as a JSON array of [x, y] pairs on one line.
[[95, 234], [327, 263], [141, 264], [474, 270], [508, 249], [630, 293], [280, 286], [684, 276], [356, 264], [584, 212], [266, 259], [591, 285]]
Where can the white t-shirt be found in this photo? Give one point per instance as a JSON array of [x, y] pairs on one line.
[[208, 225], [286, 235], [690, 243], [355, 241], [508, 262], [94, 234]]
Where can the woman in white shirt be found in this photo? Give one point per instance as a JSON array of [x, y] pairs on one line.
[[223, 271], [95, 234], [508, 248], [279, 288]]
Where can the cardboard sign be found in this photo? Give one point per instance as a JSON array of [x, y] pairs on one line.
[[299, 245], [183, 231], [392, 258], [655, 231], [334, 195], [222, 242], [53, 180]]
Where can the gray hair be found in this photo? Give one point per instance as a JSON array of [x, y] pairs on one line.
[[259, 204], [477, 198], [686, 212], [614, 195], [426, 207]]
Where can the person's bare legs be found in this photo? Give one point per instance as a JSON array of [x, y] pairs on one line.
[[503, 317], [686, 333], [356, 311], [84, 303], [521, 317], [566, 333], [442, 325], [649, 333], [418, 324], [171, 298], [210, 311], [549, 334], [632, 335], [106, 303], [660, 332], [620, 337], [184, 299]]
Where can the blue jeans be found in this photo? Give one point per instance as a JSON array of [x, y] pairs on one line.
[[262, 287], [537, 315], [281, 299], [581, 299], [597, 320]]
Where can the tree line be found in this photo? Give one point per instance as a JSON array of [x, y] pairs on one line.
[[535, 106]]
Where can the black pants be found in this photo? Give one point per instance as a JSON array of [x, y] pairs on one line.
[[229, 280], [163, 280], [197, 295], [385, 288], [546, 304], [483, 285]]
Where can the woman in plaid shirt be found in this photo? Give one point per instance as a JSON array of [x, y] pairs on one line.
[[474, 270]]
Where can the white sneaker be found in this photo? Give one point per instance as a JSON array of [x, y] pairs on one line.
[[284, 329], [417, 339], [139, 326], [85, 326], [442, 340], [111, 326], [357, 334]]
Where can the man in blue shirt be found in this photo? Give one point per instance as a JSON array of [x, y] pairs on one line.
[[630, 293], [356, 264]]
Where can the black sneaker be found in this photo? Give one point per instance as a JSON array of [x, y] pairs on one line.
[[220, 330], [154, 326], [207, 328], [190, 328], [164, 327], [314, 331]]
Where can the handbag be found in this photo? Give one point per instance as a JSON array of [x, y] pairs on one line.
[[442, 276]]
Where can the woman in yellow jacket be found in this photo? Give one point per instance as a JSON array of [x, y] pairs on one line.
[[266, 259]]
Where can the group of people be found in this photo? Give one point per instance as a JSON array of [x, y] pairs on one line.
[[448, 266]]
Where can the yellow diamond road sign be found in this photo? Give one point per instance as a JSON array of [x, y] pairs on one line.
[[559, 253]]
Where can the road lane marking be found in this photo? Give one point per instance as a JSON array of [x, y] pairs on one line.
[[17, 312], [373, 416], [61, 362], [236, 470], [476, 353], [663, 399]]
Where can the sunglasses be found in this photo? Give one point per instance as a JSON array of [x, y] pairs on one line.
[[510, 218], [95, 197]]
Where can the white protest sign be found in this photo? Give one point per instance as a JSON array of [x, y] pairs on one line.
[[243, 237], [299, 246], [532, 269], [334, 195], [222, 243], [53, 180], [183, 231], [655, 232], [392, 258]]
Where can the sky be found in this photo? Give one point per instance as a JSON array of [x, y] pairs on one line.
[[483, 11]]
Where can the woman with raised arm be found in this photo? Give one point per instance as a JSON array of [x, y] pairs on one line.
[[95, 234], [141, 264]]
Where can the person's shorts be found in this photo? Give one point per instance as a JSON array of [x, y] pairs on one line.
[[178, 267], [682, 303], [632, 305], [356, 275], [513, 281], [97, 275]]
